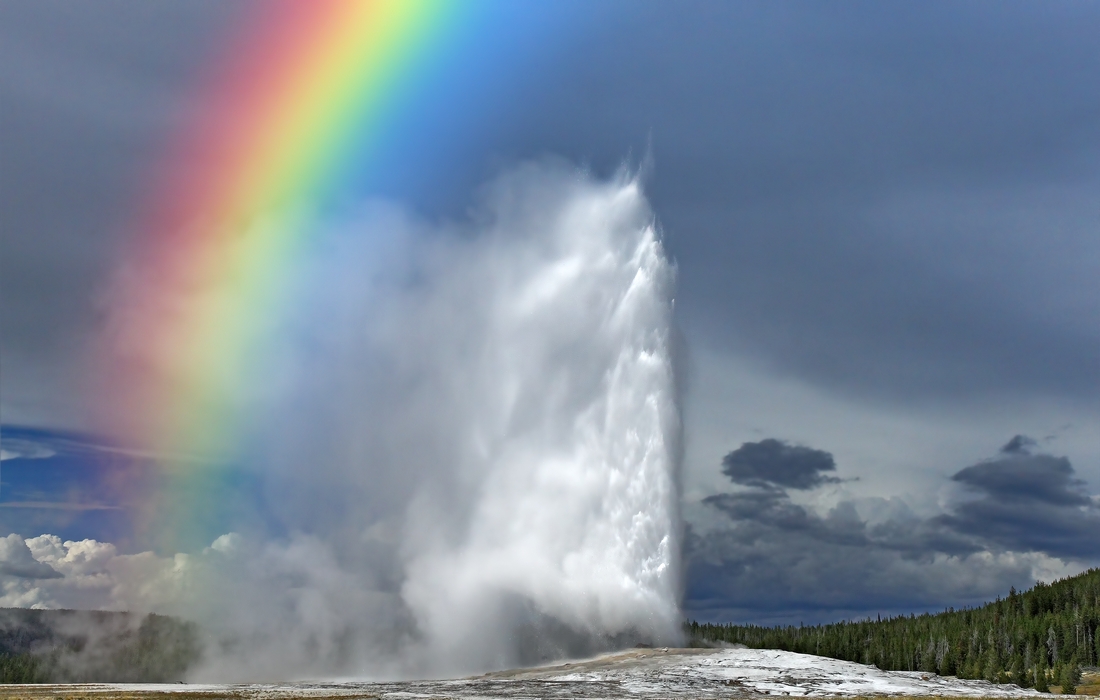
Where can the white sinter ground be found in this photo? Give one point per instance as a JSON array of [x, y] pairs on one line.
[[640, 673], [700, 673]]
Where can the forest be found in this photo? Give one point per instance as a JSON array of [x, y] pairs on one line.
[[66, 646], [1036, 639]]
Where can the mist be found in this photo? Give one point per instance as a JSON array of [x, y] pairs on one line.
[[465, 437]]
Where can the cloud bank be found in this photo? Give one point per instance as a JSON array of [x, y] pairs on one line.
[[1014, 518]]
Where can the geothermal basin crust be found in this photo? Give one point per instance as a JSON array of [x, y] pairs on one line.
[[651, 674]]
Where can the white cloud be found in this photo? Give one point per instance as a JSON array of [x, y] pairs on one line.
[[17, 560], [16, 448]]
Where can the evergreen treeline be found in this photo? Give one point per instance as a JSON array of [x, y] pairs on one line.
[[67, 646], [1038, 638]]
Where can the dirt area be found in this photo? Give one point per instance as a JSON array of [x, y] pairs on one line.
[[1090, 683]]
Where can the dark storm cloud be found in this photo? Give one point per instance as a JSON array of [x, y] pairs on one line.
[[776, 558], [762, 512], [1037, 527], [772, 510], [786, 566], [882, 198], [776, 462], [1028, 502], [1019, 444], [1024, 479], [879, 198]]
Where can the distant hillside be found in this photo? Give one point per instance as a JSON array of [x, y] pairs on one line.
[[1038, 638], [43, 646]]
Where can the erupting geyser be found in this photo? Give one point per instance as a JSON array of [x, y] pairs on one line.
[[567, 431], [464, 441], [506, 401]]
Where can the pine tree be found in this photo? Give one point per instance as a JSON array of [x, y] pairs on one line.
[[966, 669], [992, 670], [1041, 675], [1070, 677], [1019, 676], [948, 668], [928, 658]]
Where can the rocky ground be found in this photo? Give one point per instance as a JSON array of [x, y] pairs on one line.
[[645, 674]]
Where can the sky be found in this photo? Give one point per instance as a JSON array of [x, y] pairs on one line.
[[883, 220]]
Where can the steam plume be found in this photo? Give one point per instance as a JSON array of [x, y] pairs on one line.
[[468, 439]]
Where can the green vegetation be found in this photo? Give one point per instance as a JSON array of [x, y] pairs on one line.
[[20, 668], [1039, 638], [66, 646]]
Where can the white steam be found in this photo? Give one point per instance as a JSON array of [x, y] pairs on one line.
[[469, 441]]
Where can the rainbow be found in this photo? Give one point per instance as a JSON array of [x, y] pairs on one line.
[[304, 113]]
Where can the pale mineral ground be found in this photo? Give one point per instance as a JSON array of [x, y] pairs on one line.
[[650, 674]]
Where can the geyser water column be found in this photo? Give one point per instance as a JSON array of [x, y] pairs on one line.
[[480, 419], [550, 378]]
